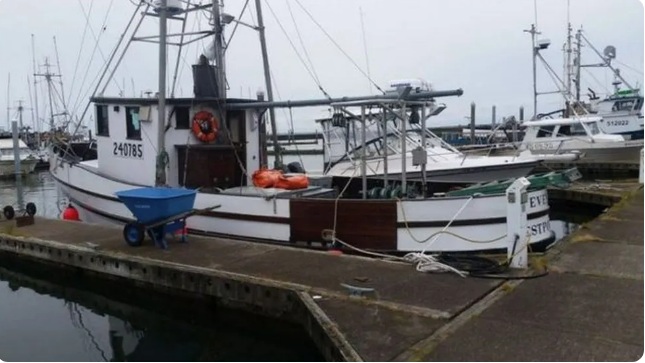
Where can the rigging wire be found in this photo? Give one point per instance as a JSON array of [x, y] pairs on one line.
[[78, 100], [629, 67], [339, 47], [603, 86], [302, 44], [296, 51], [236, 24], [80, 50]]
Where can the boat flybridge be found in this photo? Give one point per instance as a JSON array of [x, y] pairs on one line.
[[577, 138], [214, 144], [395, 145]]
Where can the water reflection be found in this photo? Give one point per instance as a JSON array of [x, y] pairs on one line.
[[59, 317], [38, 188]]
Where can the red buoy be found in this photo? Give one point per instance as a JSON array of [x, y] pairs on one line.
[[71, 214]]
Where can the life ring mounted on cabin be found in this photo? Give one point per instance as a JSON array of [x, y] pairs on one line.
[[205, 126]]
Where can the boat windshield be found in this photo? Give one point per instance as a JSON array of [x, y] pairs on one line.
[[579, 129]]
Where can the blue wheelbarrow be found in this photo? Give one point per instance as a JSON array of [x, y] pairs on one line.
[[158, 211]]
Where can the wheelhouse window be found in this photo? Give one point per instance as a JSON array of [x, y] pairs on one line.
[[565, 130], [133, 124], [625, 105], [579, 129], [593, 128], [182, 118], [102, 124], [545, 131]]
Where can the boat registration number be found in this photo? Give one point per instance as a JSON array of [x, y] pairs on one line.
[[617, 123], [542, 146], [128, 150]]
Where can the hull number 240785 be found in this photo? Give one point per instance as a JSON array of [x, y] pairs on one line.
[[128, 150]]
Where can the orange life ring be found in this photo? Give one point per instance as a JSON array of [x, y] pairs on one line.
[[205, 126]]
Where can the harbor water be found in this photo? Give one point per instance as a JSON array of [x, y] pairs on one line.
[[64, 317]]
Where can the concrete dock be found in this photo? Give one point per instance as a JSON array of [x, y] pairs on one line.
[[588, 307]]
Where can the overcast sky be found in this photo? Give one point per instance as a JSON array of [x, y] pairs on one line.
[[476, 45]]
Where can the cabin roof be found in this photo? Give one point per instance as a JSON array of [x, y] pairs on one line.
[[562, 121]]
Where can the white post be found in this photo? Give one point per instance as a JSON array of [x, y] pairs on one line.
[[640, 169], [516, 223]]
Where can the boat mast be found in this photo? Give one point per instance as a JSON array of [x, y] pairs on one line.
[[277, 162], [533, 31], [8, 100], [219, 53], [160, 175], [569, 70], [577, 62], [33, 64]]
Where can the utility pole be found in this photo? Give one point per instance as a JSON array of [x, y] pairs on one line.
[[277, 163]]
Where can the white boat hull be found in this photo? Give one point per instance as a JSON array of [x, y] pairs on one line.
[[8, 168], [267, 219]]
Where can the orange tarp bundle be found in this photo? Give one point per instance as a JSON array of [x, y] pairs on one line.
[[265, 178]]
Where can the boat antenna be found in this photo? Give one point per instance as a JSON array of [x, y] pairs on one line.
[[367, 60]]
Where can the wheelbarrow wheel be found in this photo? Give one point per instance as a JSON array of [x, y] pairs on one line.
[[9, 212], [31, 209], [134, 233]]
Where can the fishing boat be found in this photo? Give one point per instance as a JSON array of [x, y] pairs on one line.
[[577, 138], [213, 143], [622, 113]]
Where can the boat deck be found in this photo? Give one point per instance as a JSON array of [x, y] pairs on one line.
[[589, 307]]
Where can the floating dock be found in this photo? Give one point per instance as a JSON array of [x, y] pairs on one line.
[[588, 307]]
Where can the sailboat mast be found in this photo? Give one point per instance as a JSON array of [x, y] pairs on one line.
[[48, 77], [160, 175], [33, 63], [277, 163]]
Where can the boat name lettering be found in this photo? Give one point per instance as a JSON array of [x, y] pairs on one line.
[[542, 146], [539, 200], [542, 227], [617, 123], [128, 150]]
